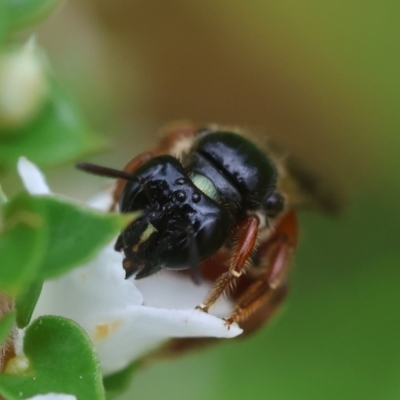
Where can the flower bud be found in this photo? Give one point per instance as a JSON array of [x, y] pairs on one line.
[[23, 86]]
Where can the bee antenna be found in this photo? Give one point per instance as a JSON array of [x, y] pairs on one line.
[[194, 262], [105, 171], [112, 173]]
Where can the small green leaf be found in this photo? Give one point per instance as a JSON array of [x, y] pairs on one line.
[[117, 383], [62, 359], [3, 24], [6, 324], [23, 241], [43, 237], [3, 197], [58, 134], [23, 13], [76, 233], [25, 303]]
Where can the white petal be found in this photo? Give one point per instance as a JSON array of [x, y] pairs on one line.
[[32, 178], [110, 309], [85, 294], [137, 330], [177, 291], [53, 396], [102, 201]]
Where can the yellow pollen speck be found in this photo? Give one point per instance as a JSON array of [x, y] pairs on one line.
[[17, 365], [104, 330]]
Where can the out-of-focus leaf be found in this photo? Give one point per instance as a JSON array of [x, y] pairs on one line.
[[25, 303], [61, 360], [24, 13], [58, 134], [3, 197], [117, 383], [23, 241], [6, 324], [3, 25]]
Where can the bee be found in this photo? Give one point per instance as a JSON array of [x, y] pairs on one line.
[[218, 205]]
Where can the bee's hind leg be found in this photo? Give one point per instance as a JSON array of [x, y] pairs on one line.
[[247, 238], [276, 254]]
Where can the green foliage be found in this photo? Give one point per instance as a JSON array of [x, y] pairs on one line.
[[26, 301], [65, 362], [44, 237], [23, 13], [6, 323], [37, 117], [58, 134], [23, 242], [76, 234], [3, 197], [117, 383]]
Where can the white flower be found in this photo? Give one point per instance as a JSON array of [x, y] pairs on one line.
[[125, 318], [53, 396]]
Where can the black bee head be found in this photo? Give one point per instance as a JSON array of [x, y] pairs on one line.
[[179, 226]]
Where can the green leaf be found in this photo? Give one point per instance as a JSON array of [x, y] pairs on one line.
[[6, 324], [58, 134], [76, 233], [44, 237], [117, 383], [62, 359], [23, 241], [3, 25], [23, 13], [25, 303], [3, 197]]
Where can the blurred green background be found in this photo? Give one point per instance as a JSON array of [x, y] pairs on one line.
[[323, 77]]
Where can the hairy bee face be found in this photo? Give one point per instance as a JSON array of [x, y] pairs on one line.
[[180, 224]]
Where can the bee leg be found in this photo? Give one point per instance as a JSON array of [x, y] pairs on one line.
[[131, 167], [277, 253], [259, 299], [247, 238]]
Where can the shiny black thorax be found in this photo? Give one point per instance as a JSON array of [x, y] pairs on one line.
[[189, 207]]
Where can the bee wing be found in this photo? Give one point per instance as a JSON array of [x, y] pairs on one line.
[[305, 186]]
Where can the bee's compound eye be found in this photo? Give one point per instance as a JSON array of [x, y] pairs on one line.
[[274, 204], [179, 196], [196, 197]]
